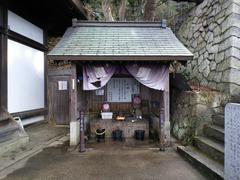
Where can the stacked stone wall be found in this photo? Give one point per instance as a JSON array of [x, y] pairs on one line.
[[192, 110], [212, 34]]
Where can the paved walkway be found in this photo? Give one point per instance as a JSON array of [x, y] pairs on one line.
[[40, 137], [107, 161]]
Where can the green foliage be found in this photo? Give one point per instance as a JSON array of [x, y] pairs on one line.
[[166, 9]]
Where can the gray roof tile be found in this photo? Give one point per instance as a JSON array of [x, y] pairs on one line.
[[117, 41]]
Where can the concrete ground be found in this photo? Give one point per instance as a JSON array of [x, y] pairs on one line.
[[107, 161], [40, 136]]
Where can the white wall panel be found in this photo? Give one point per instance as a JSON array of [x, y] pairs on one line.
[[25, 78], [25, 28]]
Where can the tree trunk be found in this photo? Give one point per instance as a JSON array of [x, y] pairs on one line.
[[122, 10], [149, 10], [106, 8]]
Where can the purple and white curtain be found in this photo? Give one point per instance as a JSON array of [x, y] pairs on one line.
[[152, 76]]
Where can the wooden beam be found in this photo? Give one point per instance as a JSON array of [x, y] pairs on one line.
[[131, 58], [26, 41], [31, 113], [79, 23]]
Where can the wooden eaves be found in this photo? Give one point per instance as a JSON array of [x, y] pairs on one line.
[[120, 58]]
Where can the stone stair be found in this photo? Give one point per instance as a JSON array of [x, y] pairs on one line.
[[207, 151], [11, 134]]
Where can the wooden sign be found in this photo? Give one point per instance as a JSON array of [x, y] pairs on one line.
[[62, 85], [122, 89]]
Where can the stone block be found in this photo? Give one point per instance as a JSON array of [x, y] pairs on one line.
[[206, 71], [213, 65], [219, 57], [234, 76], [218, 76], [223, 66], [234, 62], [213, 85], [226, 76], [217, 39], [234, 90], [235, 41], [232, 142], [226, 44], [74, 133], [230, 21], [233, 31]]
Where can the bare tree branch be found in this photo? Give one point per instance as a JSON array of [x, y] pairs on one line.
[[106, 8], [149, 10], [81, 8], [122, 10]]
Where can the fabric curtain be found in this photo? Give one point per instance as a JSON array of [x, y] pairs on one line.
[[152, 76], [95, 77]]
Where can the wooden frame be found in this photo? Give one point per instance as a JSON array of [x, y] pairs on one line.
[[31, 113], [26, 41], [3, 55], [6, 34], [164, 119], [120, 58], [76, 22]]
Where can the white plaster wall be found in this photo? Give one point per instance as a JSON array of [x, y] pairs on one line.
[[25, 78], [25, 28]]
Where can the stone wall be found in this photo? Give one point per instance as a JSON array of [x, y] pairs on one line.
[[191, 110], [212, 34]]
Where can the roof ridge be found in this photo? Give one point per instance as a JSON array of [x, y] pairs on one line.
[[79, 23]]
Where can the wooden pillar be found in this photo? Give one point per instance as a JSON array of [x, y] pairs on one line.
[[74, 113], [162, 129], [3, 54], [82, 141], [166, 100], [164, 118]]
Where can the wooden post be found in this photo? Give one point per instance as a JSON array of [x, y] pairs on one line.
[[3, 53], [166, 100], [82, 141], [164, 122], [162, 129]]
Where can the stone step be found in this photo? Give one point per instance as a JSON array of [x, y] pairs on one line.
[[212, 148], [215, 132], [218, 120], [6, 131], [14, 143], [4, 117], [211, 168]]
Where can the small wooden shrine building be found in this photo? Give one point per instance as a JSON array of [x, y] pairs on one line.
[[111, 63]]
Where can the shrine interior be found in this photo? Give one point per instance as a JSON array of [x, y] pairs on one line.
[[123, 104]]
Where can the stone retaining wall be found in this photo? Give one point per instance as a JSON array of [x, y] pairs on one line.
[[191, 110], [212, 34]]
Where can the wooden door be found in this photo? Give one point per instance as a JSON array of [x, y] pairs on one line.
[[59, 99]]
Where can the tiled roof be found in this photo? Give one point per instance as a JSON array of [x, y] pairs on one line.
[[146, 40]]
